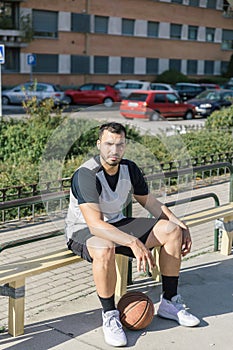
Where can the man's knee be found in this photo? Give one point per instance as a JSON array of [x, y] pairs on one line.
[[175, 233], [171, 230], [101, 249]]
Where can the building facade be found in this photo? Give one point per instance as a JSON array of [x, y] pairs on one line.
[[77, 41]]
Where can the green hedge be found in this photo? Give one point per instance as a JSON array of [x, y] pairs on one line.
[[23, 142]]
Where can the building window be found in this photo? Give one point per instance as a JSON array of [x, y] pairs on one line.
[[194, 3], [177, 1], [211, 4], [101, 24], [227, 39], [127, 65], [192, 67], [224, 66], [46, 63], [210, 32], [101, 64], [9, 15], [209, 67], [45, 23], [11, 60], [175, 31], [127, 26], [192, 32], [153, 29], [175, 65], [227, 8], [80, 64], [80, 23], [152, 66]]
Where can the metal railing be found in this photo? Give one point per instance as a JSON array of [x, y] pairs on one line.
[[167, 181], [29, 190]]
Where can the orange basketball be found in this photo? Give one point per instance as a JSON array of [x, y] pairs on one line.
[[136, 310]]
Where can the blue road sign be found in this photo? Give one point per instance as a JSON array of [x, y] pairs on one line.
[[2, 54], [31, 59]]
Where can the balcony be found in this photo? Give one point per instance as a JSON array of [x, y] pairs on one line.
[[12, 38]]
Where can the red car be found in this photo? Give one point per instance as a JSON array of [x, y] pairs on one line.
[[153, 105], [94, 93]]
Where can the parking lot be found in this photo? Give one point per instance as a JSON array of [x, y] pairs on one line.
[[100, 113]]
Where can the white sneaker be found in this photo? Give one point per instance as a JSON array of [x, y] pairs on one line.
[[113, 332], [175, 310]]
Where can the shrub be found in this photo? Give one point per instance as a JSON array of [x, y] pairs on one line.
[[222, 119], [171, 76]]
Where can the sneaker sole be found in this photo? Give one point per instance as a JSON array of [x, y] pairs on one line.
[[170, 317], [115, 344]]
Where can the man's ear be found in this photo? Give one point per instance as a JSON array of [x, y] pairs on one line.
[[98, 144]]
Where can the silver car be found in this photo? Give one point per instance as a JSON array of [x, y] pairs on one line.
[[41, 91]]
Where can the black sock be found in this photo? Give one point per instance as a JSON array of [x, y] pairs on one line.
[[169, 284], [108, 304]]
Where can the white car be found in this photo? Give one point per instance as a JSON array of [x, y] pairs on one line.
[[127, 86], [162, 86], [41, 91]]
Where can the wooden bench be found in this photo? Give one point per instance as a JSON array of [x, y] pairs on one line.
[[223, 212], [13, 275], [13, 278]]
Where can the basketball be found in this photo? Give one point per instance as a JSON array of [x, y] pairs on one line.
[[136, 310]]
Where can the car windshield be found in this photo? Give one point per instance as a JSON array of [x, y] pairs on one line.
[[137, 97], [209, 95]]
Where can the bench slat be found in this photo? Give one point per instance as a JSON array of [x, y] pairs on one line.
[[29, 267], [204, 216]]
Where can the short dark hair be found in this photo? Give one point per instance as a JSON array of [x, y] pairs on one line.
[[115, 128]]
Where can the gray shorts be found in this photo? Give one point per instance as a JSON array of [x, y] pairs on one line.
[[137, 227]]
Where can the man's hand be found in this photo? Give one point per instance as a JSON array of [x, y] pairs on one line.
[[186, 241], [143, 256]]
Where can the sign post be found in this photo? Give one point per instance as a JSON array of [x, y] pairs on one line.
[[2, 61], [31, 61]]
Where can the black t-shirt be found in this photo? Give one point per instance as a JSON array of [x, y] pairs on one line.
[[86, 184]]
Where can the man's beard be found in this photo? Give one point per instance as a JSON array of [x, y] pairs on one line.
[[111, 163]]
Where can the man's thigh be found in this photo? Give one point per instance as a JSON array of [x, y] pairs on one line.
[[137, 227]]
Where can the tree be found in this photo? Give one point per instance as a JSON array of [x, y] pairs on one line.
[[171, 76]]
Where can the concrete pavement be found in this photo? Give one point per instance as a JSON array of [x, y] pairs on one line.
[[63, 311], [206, 283]]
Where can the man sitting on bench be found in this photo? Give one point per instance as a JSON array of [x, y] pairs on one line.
[[96, 230]]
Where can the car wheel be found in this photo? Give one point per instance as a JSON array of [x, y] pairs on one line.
[[5, 101], [188, 115], [155, 116], [108, 102], [68, 100]]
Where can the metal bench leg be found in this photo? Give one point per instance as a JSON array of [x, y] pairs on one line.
[[16, 308], [122, 275]]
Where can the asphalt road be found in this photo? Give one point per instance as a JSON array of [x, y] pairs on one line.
[[102, 113]]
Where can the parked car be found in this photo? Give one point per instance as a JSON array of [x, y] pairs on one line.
[[94, 93], [126, 87], [153, 105], [188, 90], [228, 86], [208, 86], [41, 91], [212, 100], [162, 86]]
